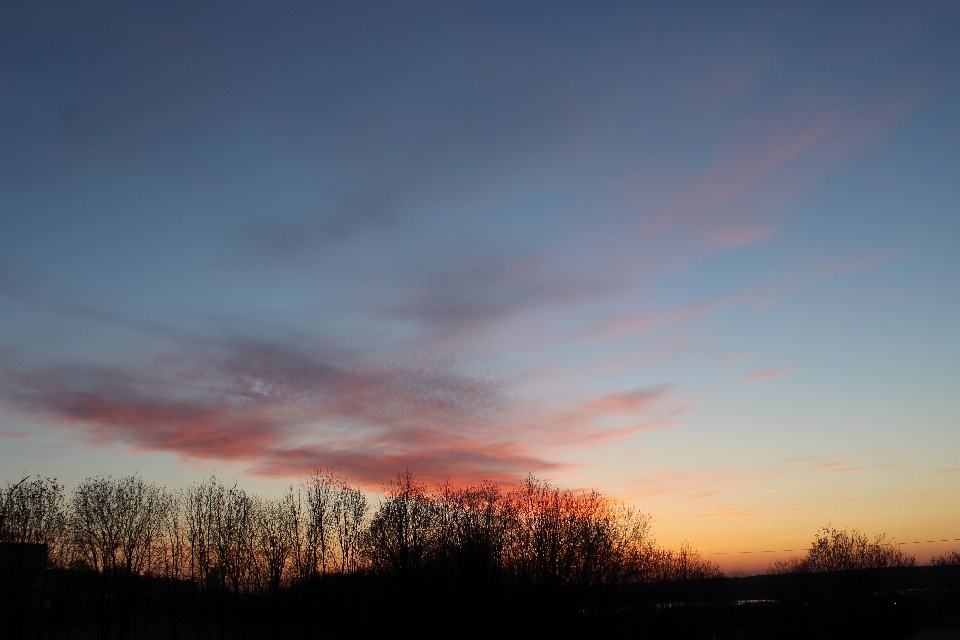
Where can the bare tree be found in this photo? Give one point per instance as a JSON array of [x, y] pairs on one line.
[[32, 524], [622, 549], [219, 523], [202, 503], [349, 514], [274, 540], [174, 552], [553, 526], [33, 512], [567, 538], [474, 525], [114, 522], [174, 558], [401, 531], [321, 488], [302, 558], [113, 525]]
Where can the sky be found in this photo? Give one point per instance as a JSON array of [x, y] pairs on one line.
[[702, 257]]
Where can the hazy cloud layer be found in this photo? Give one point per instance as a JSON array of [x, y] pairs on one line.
[[253, 402]]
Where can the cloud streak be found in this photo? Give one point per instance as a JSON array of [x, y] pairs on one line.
[[459, 461], [281, 408], [487, 290], [634, 403], [14, 435], [847, 467], [762, 164], [770, 373]]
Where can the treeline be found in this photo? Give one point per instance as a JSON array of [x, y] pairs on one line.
[[219, 536], [128, 558]]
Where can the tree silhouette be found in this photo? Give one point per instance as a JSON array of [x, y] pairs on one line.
[[321, 489], [34, 512], [474, 528], [32, 525], [349, 516], [840, 550], [402, 530], [113, 524], [274, 536]]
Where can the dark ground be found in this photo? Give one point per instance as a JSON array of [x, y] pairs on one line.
[[884, 603]]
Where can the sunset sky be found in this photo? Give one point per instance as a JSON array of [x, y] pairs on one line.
[[704, 258]]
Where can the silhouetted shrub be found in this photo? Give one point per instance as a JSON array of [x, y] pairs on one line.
[[946, 558], [666, 565], [836, 550]]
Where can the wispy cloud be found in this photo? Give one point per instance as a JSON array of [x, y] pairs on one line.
[[253, 402], [15, 435], [450, 300], [615, 416], [769, 373], [194, 431], [752, 297], [764, 162], [461, 462], [282, 407], [729, 509], [635, 402], [693, 485], [735, 358], [751, 153], [847, 467]]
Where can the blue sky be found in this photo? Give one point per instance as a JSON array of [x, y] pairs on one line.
[[701, 257]]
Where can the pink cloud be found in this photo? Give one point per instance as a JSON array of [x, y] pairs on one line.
[[703, 495], [829, 465], [461, 462], [611, 417], [846, 467], [283, 408], [745, 162], [735, 358], [769, 373], [727, 510], [625, 325], [251, 402], [763, 163], [692, 485], [756, 297], [740, 237], [633, 402], [597, 436], [190, 431], [14, 435]]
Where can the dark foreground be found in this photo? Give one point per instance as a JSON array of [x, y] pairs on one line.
[[882, 603]]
